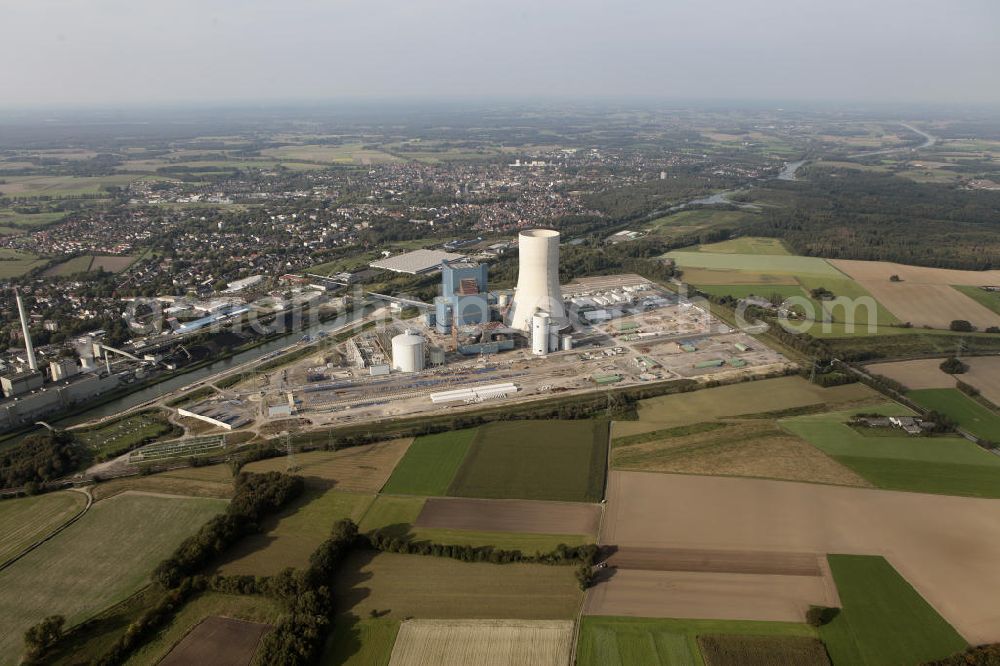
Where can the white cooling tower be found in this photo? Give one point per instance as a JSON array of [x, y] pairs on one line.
[[537, 279]]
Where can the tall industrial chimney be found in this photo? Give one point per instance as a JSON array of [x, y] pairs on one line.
[[537, 279], [28, 347]]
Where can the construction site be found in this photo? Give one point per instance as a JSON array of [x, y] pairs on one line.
[[473, 345]]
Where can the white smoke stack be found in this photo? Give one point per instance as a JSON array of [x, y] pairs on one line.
[[28, 347], [537, 278]]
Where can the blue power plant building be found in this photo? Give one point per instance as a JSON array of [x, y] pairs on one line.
[[464, 298]]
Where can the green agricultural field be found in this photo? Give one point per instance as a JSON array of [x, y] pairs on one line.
[[756, 397], [689, 221], [253, 608], [981, 421], [623, 641], [730, 650], [14, 263], [100, 560], [418, 586], [943, 465], [90, 263], [71, 266], [88, 645], [989, 299], [125, 434], [9, 217], [526, 543], [846, 288], [762, 264], [55, 186], [26, 520], [395, 513], [747, 245], [348, 153], [883, 621], [430, 463], [550, 460], [360, 642], [289, 538]]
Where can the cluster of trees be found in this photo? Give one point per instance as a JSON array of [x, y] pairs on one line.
[[39, 458], [954, 366], [869, 215], [834, 378], [563, 554], [632, 201], [817, 616], [255, 496], [42, 636]]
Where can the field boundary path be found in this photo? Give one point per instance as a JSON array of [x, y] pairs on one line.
[[53, 533]]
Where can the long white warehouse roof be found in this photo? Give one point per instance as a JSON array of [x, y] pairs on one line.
[[418, 261], [461, 395]]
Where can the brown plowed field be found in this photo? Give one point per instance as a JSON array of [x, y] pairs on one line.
[[527, 516], [935, 305], [883, 270], [358, 469], [219, 641], [946, 547], [922, 373], [720, 596], [717, 561]]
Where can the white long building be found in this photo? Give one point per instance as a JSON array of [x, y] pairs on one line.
[[474, 394]]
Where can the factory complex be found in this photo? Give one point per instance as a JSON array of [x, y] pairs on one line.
[[473, 345]]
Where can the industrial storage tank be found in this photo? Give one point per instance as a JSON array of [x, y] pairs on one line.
[[408, 352], [437, 356], [567, 342], [540, 333]]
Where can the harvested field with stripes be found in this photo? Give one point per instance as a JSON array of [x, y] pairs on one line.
[[934, 305], [482, 642], [717, 561], [532, 517], [718, 596], [884, 270], [26, 520]]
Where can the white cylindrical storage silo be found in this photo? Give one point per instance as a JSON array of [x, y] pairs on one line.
[[537, 278], [502, 300], [408, 352], [553, 336], [540, 334], [567, 342]]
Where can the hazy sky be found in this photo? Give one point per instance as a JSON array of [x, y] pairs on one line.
[[151, 51]]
